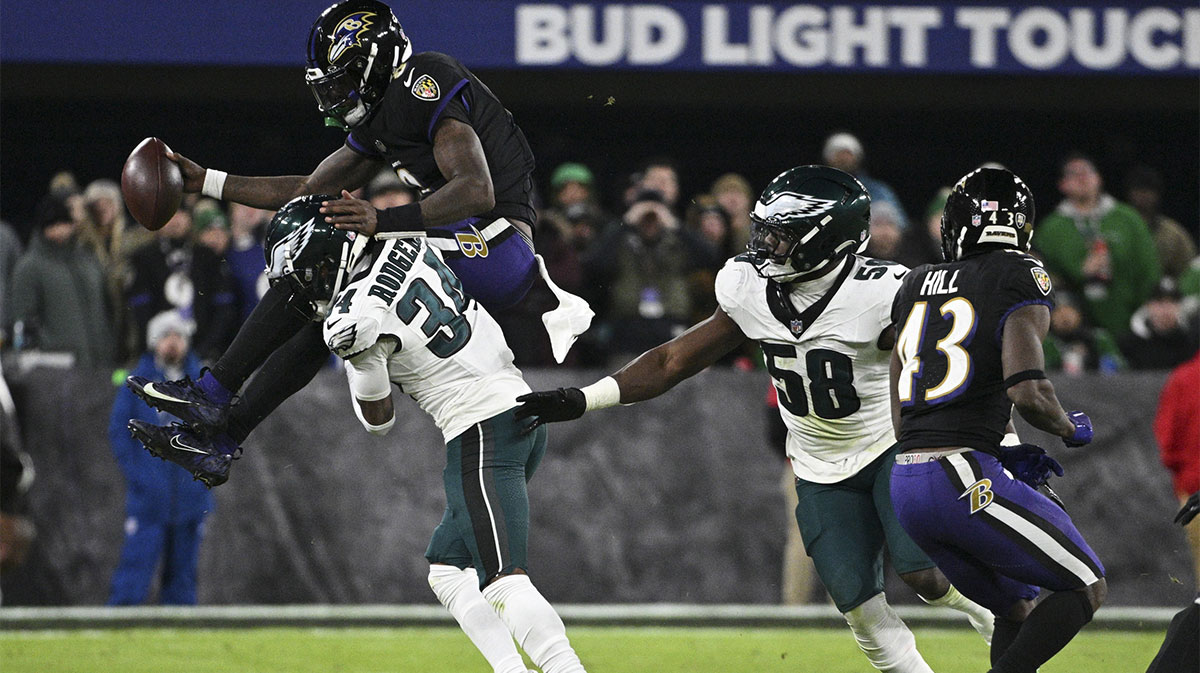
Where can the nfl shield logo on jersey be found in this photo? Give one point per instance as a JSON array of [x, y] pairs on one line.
[[426, 88], [797, 327]]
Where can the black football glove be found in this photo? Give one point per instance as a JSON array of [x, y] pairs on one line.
[[1189, 510], [1029, 463], [550, 406]]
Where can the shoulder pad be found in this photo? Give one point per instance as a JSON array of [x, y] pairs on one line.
[[352, 325], [347, 337]]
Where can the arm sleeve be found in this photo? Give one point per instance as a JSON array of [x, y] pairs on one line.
[[367, 372], [369, 382], [1149, 270]]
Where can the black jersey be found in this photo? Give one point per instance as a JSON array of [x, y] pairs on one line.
[[433, 87], [950, 321]]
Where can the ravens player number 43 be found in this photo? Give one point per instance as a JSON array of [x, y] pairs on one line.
[[969, 350]]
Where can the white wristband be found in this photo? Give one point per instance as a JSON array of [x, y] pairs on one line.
[[1010, 439], [214, 183], [602, 394]]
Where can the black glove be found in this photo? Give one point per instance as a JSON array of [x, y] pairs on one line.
[[550, 406], [1029, 463], [1189, 510]]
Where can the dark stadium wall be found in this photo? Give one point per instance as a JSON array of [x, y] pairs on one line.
[[673, 500], [920, 131]]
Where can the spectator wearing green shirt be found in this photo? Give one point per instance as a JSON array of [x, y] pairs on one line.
[[1098, 247]]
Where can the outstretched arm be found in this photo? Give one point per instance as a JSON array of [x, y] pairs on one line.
[[468, 190], [1034, 396], [344, 169], [649, 375], [658, 370]]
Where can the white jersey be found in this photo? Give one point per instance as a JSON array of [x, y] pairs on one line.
[[831, 376], [449, 354]]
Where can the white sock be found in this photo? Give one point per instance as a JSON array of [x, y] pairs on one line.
[[884, 638], [980, 617], [459, 591], [534, 623]]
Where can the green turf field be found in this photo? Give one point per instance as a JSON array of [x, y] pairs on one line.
[[446, 650]]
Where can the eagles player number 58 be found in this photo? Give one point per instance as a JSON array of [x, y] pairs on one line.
[[831, 377]]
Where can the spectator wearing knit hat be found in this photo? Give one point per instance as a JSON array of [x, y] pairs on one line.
[[164, 507], [843, 151], [112, 237]]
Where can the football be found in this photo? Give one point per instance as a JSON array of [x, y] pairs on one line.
[[151, 184]]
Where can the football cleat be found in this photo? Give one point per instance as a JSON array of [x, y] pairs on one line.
[[183, 399], [207, 459]]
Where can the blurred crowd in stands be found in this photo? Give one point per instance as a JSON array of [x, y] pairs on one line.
[[85, 286], [90, 288]]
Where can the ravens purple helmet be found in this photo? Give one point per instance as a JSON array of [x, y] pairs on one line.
[[355, 48]]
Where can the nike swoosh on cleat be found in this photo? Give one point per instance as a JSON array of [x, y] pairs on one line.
[[149, 389], [176, 444]]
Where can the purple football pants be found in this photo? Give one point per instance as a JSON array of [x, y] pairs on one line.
[[994, 537], [495, 261]]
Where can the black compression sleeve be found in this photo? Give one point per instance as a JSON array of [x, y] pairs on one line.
[[400, 219]]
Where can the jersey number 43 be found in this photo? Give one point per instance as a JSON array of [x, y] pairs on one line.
[[952, 347]]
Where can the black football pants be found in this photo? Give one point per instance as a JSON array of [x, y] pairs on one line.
[[287, 344]]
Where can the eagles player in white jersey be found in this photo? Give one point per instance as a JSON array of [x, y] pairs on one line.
[[821, 314], [396, 314]]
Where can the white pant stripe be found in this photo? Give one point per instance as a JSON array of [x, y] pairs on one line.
[[1025, 528]]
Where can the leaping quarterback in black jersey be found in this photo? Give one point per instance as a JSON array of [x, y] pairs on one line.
[[445, 134]]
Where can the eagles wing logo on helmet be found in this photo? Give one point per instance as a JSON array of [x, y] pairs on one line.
[[790, 204], [348, 34], [288, 248]]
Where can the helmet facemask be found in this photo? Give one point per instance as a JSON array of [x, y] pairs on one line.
[[312, 257], [781, 254], [807, 220]]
